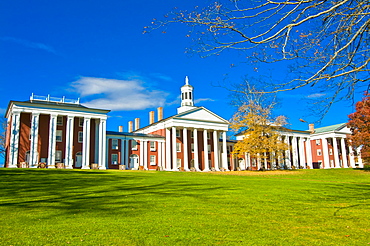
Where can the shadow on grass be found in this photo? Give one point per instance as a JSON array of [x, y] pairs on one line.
[[76, 191]]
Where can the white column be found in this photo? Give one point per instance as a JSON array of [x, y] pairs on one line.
[[174, 151], [103, 144], [288, 162], [344, 153], [160, 156], [141, 158], [34, 140], [215, 150], [146, 167], [309, 153], [302, 159], [52, 140], [224, 152], [336, 153], [325, 153], [186, 157], [123, 152], [351, 157], [359, 159], [69, 143], [196, 153], [168, 149], [96, 144], [294, 151], [163, 155], [86, 144], [127, 154], [14, 140], [205, 143]]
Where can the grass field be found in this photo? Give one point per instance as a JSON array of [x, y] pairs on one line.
[[92, 207]]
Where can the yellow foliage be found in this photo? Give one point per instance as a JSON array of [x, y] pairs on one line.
[[261, 132]]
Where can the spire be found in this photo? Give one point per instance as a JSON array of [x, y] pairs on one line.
[[187, 101]]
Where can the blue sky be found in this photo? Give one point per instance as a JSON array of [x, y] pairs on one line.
[[96, 51]]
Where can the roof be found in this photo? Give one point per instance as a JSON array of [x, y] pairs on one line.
[[332, 128], [56, 105], [181, 114], [133, 134]]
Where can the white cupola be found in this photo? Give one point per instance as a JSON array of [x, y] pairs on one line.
[[187, 96]]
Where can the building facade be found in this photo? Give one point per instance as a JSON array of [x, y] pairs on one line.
[[60, 133]]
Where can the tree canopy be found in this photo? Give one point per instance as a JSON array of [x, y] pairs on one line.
[[359, 123], [325, 44]]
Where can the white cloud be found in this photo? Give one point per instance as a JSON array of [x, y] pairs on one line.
[[203, 100], [316, 95], [30, 44], [2, 111], [113, 94]]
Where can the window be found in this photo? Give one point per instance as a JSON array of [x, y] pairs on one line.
[[178, 163], [177, 133], [152, 160], [186, 95], [58, 156], [80, 137], [192, 148], [114, 159], [208, 135], [114, 143], [192, 134], [331, 163], [189, 94], [59, 135], [319, 152], [133, 145], [330, 151], [318, 142], [178, 147], [59, 120], [81, 122], [152, 145], [209, 148]]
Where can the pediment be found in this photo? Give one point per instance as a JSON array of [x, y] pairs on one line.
[[201, 114]]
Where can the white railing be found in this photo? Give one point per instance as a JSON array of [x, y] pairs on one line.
[[48, 98]]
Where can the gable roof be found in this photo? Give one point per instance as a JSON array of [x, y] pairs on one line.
[[332, 128], [190, 114]]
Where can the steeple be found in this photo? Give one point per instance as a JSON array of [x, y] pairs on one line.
[[187, 101]]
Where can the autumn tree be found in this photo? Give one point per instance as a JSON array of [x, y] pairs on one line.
[[259, 129], [325, 44], [359, 123]]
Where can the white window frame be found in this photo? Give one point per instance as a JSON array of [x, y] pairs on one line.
[[59, 135], [152, 160], [80, 136], [209, 148], [116, 159], [318, 142], [152, 146], [319, 152], [59, 120], [134, 144], [114, 143], [192, 148], [178, 162], [81, 122], [330, 151], [178, 147], [60, 153], [178, 134]]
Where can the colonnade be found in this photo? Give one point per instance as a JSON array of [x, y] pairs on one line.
[[219, 157], [52, 140]]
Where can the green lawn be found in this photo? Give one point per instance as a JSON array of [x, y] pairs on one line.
[[92, 207]]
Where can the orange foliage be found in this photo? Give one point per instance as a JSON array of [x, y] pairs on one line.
[[359, 123]]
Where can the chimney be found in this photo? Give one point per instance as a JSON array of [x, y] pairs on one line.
[[137, 123], [160, 113], [311, 128], [151, 117], [120, 128], [130, 126]]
